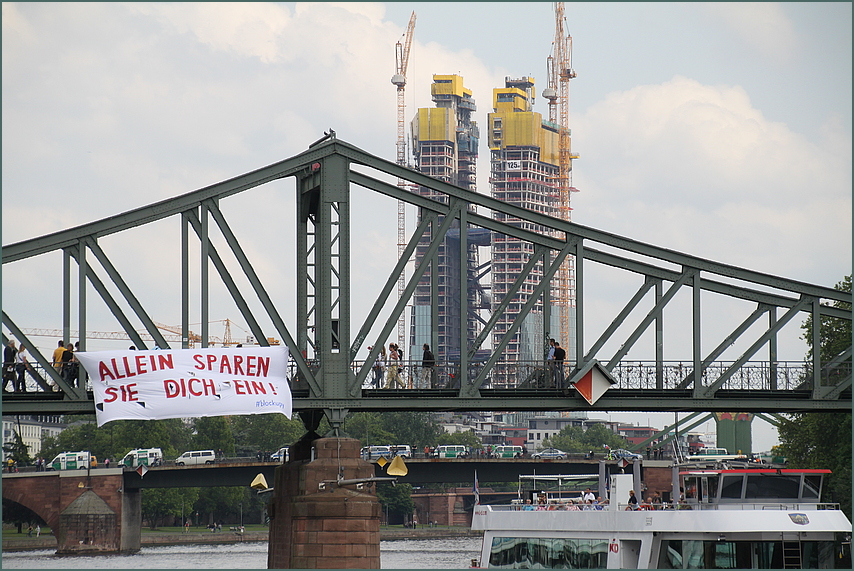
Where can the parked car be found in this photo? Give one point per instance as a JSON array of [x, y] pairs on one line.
[[550, 453], [281, 455], [622, 453]]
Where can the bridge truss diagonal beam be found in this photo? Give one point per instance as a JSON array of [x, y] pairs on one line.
[[325, 173]]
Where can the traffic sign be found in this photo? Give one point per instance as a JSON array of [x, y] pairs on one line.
[[593, 382]]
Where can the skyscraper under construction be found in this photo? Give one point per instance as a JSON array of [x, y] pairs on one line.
[[444, 142], [524, 171]]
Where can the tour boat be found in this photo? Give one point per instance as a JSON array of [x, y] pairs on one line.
[[750, 517]]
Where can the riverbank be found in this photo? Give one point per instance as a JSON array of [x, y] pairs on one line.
[[151, 539]]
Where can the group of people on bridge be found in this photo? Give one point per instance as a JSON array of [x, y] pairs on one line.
[[16, 365], [390, 365]]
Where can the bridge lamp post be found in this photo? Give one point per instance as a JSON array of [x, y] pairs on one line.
[[241, 513]]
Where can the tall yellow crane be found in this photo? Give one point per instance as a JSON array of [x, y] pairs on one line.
[[401, 52], [560, 72]]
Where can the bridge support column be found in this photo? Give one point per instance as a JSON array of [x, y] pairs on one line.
[[131, 539], [316, 523]]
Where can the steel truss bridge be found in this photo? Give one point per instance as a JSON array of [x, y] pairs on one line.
[[327, 379]]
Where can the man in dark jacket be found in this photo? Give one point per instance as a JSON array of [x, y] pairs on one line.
[[428, 362], [9, 353]]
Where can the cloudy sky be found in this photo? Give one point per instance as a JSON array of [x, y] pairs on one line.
[[721, 130]]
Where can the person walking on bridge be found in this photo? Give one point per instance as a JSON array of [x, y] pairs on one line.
[[428, 361]]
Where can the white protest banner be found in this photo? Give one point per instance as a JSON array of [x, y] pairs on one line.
[[180, 383]]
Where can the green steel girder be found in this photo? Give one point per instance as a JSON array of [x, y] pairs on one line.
[[325, 173]]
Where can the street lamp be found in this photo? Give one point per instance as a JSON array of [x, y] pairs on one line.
[[241, 514]]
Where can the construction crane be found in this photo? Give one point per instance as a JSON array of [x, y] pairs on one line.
[[560, 72], [176, 335], [401, 53]]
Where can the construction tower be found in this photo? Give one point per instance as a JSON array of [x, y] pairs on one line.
[[524, 171], [401, 53], [444, 143], [560, 72]]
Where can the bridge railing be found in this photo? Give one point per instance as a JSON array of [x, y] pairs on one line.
[[533, 375]]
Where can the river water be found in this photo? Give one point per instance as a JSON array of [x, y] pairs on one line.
[[450, 553]]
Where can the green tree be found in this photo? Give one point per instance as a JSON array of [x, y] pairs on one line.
[[414, 428], [213, 433], [264, 432], [398, 499], [116, 438], [369, 428], [576, 439], [221, 503], [161, 505], [817, 439]]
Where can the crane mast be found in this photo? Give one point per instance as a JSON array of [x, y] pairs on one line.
[[560, 72], [401, 51]]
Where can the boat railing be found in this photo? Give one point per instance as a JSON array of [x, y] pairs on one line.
[[741, 506]]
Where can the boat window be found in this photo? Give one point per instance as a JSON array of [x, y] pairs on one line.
[[548, 553], [732, 486], [812, 486], [776, 486], [712, 488], [691, 554], [691, 487]]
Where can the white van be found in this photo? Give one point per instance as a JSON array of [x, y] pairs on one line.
[[280, 455], [374, 452], [73, 461], [506, 451], [143, 457], [402, 450], [195, 457], [451, 451]]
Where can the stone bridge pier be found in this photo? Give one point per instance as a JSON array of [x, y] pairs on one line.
[[317, 523], [88, 511]]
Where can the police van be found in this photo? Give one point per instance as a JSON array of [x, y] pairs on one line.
[[195, 457], [374, 452], [506, 451], [143, 457], [451, 451], [402, 450], [73, 461]]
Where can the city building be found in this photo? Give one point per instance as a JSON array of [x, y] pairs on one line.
[[445, 146], [32, 428]]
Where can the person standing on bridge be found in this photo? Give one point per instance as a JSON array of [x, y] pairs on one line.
[[57, 356], [377, 367], [559, 358], [69, 365], [550, 358], [9, 354], [392, 375], [21, 366], [428, 361]]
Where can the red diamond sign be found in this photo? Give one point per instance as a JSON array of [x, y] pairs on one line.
[[142, 470], [593, 382]]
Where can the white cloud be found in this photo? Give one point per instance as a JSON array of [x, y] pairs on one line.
[[762, 25], [696, 168]]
